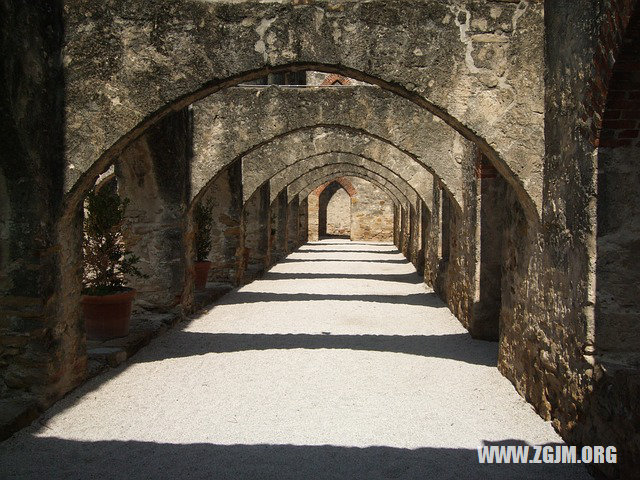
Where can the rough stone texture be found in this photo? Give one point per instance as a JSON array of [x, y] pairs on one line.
[[337, 143], [278, 241], [415, 185], [32, 133], [482, 66], [371, 212], [293, 224], [313, 208], [153, 174], [295, 116], [225, 197], [476, 61], [257, 229], [334, 216], [305, 184], [303, 225]]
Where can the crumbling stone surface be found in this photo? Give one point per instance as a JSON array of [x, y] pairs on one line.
[[305, 184], [385, 117], [291, 174], [371, 212], [475, 63], [288, 151], [224, 197]]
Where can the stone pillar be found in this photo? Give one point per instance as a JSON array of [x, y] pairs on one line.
[[396, 226], [154, 175], [293, 225], [313, 216], [491, 210], [43, 352], [432, 256], [225, 197], [413, 234], [425, 221], [303, 222], [404, 230], [279, 224], [256, 234]]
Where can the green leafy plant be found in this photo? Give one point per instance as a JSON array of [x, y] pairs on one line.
[[106, 261], [203, 219]]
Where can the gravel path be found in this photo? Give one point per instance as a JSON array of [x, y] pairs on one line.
[[340, 367]]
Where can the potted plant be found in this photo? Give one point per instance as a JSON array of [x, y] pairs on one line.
[[106, 301], [203, 224]]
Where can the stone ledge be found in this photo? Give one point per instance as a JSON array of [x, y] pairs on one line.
[[144, 327], [18, 412]]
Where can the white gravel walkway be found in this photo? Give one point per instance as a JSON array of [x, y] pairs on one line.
[[339, 364]]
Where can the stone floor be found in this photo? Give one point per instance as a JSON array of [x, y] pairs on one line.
[[339, 363]]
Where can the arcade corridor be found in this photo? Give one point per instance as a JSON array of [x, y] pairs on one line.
[[336, 364]]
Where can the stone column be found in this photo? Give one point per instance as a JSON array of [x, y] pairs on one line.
[[491, 210], [293, 225], [303, 225], [153, 173], [413, 234], [432, 256], [313, 216], [416, 239], [396, 226], [404, 230], [256, 234], [279, 223], [43, 352], [225, 197], [425, 221]]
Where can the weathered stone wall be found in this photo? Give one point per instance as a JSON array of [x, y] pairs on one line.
[[303, 224], [371, 212], [477, 61], [279, 224], [224, 195], [293, 155], [257, 229], [313, 208], [293, 224], [35, 312], [335, 212], [153, 174]]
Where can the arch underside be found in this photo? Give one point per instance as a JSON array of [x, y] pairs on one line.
[[289, 175], [109, 102]]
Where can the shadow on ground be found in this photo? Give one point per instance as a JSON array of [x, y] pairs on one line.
[[458, 347], [411, 278], [426, 299], [385, 252], [114, 459], [300, 260]]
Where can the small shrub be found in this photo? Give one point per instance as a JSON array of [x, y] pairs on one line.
[[106, 261]]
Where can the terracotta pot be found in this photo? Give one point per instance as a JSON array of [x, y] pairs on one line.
[[202, 272], [107, 316]]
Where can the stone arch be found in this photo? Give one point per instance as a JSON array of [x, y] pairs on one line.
[[617, 305], [289, 149], [304, 185], [107, 103], [332, 200], [316, 181], [296, 170], [344, 183]]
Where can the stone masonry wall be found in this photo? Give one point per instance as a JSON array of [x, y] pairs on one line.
[[371, 213], [339, 214]]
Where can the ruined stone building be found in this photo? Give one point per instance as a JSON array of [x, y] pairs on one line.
[[494, 142]]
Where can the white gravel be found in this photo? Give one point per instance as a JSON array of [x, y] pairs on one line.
[[345, 366]]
